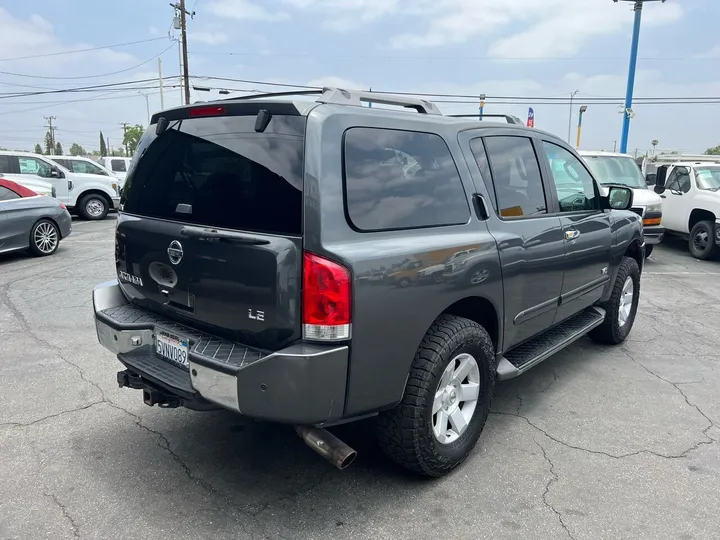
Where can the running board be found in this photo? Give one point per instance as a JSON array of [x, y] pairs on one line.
[[529, 354]]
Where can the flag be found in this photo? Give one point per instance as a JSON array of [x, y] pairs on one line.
[[531, 118]]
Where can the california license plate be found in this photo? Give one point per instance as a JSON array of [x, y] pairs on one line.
[[172, 347]]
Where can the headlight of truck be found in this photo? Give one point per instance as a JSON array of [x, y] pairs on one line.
[[654, 208]]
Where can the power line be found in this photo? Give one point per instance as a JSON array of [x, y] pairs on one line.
[[74, 51], [89, 76], [4, 95]]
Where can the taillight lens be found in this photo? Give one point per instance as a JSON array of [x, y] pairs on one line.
[[326, 299], [62, 205]]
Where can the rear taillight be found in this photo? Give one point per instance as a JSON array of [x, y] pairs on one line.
[[325, 299], [206, 111], [62, 205]]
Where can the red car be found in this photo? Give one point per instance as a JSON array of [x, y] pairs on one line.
[[14, 187]]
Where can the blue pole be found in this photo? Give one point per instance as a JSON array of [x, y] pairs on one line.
[[631, 77]]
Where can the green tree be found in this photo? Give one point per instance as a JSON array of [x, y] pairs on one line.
[[38, 149], [58, 149], [132, 138], [103, 148], [77, 150], [713, 151], [48, 143]]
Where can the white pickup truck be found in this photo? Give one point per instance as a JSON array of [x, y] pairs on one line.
[[90, 196], [691, 203]]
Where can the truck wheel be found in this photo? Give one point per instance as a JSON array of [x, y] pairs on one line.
[[93, 207], [622, 306], [702, 241], [648, 251], [446, 401]]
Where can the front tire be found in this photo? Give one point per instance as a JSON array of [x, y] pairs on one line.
[[44, 238], [446, 402], [702, 240], [93, 207], [621, 308], [648, 251]]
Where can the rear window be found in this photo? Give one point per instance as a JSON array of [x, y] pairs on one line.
[[118, 165], [219, 172], [401, 180]]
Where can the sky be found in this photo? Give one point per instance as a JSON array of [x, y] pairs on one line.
[[529, 50]]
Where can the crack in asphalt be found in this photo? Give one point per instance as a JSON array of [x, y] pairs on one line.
[[554, 478], [66, 514], [51, 416]]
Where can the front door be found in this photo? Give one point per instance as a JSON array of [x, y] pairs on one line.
[[529, 239], [677, 200], [39, 169], [586, 229]]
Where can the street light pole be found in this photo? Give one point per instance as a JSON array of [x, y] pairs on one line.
[[572, 95], [147, 105], [481, 108], [579, 129], [627, 111]]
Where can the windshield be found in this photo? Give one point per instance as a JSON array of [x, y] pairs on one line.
[[616, 170], [708, 178]]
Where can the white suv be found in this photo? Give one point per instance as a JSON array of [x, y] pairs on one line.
[[614, 168], [90, 196]]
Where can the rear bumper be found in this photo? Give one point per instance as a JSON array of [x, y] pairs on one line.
[[653, 235], [65, 224], [303, 384]]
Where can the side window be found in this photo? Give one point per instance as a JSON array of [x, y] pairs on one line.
[[478, 149], [672, 183], [401, 180], [574, 185], [516, 176], [5, 164], [7, 194], [683, 179], [30, 165], [118, 165]]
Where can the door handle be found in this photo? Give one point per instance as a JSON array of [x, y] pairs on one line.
[[663, 196], [572, 234]]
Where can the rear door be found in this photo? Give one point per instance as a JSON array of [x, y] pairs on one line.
[[528, 235], [585, 227], [210, 228]]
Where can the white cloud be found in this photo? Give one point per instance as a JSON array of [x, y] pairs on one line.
[[244, 10], [209, 38]]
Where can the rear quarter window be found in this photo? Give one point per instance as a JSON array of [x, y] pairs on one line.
[[401, 180]]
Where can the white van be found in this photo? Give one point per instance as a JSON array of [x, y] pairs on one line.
[[118, 165], [615, 168], [90, 196]]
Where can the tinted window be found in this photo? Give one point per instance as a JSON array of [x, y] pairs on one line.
[[516, 176], [118, 165], [574, 186], [83, 167], [225, 174], [401, 180], [679, 180], [478, 150], [7, 194], [5, 164]]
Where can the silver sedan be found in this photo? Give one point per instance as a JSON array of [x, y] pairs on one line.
[[30, 221]]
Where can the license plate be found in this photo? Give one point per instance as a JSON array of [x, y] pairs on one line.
[[172, 348]]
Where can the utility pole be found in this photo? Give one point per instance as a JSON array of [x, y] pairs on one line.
[[162, 101], [572, 96], [51, 129], [180, 8], [124, 126]]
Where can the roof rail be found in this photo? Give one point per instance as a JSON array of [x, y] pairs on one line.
[[276, 94], [340, 96], [509, 117]]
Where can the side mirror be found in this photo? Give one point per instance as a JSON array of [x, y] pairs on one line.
[[55, 172], [660, 179], [619, 198]]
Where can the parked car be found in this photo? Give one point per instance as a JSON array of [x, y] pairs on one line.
[[30, 221], [90, 196], [614, 168], [239, 249], [691, 202], [118, 165]]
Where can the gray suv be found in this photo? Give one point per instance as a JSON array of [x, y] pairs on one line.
[[260, 242]]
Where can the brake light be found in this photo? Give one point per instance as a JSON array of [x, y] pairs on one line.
[[62, 205], [206, 111], [325, 299]]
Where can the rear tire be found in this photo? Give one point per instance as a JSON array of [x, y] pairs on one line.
[[453, 373], [44, 238], [702, 240], [617, 324], [93, 207]]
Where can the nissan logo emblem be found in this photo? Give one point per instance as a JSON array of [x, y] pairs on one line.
[[175, 252]]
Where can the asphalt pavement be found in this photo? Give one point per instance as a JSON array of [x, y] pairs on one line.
[[594, 443]]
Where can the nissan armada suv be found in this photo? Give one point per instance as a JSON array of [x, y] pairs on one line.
[[248, 229]]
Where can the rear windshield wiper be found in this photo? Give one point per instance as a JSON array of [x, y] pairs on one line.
[[214, 234]]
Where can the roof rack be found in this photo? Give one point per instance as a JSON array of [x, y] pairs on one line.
[[510, 118], [340, 96]]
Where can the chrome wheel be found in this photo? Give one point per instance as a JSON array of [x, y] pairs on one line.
[[45, 237], [94, 208], [456, 398], [626, 301]]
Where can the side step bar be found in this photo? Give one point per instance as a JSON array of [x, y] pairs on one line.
[[529, 354]]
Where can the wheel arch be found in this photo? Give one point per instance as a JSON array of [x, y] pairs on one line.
[[634, 251], [698, 215], [480, 310], [99, 192]]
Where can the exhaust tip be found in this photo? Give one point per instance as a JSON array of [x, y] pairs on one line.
[[345, 463], [327, 445]]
